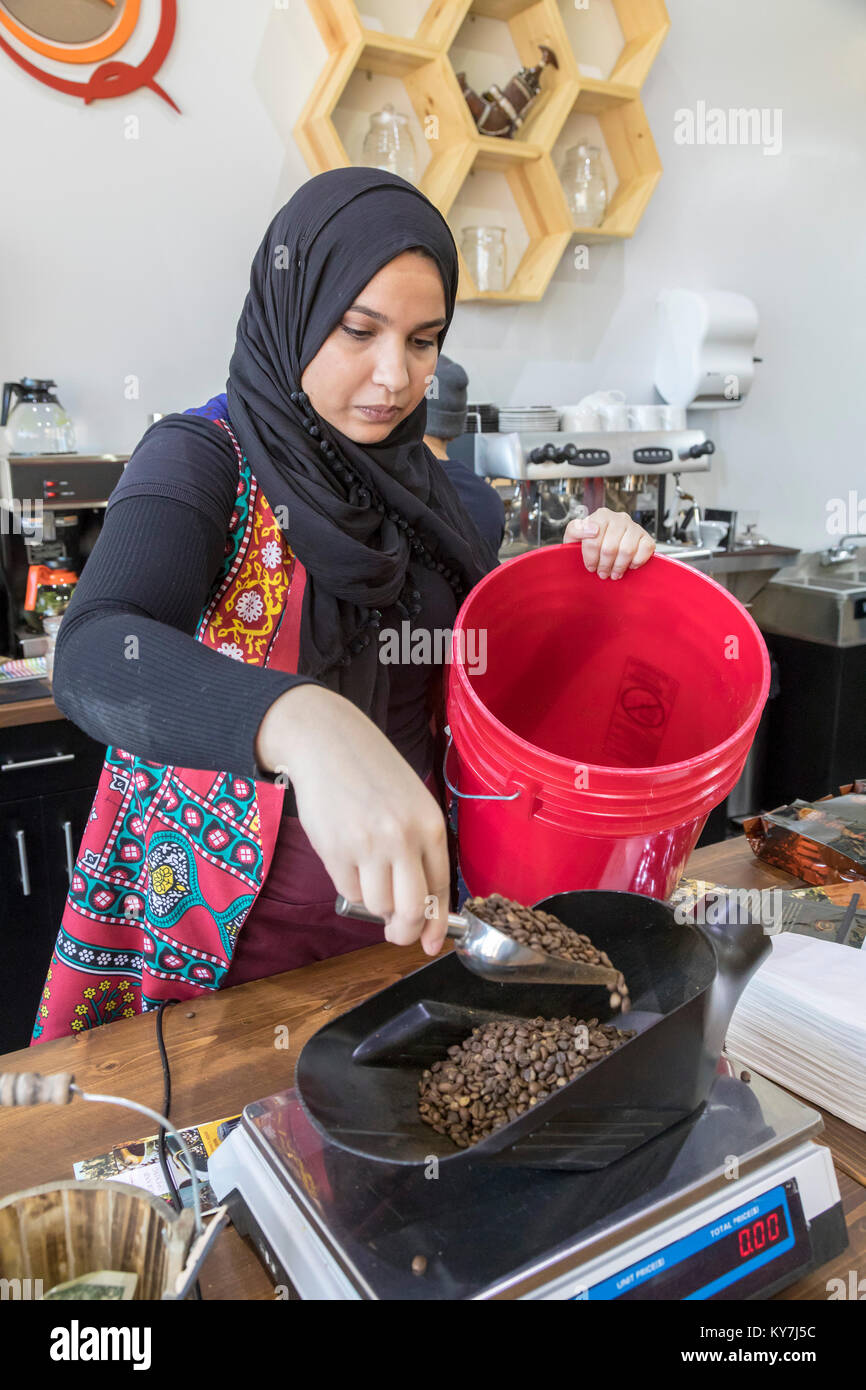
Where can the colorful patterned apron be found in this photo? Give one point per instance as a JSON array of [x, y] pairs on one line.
[[172, 859]]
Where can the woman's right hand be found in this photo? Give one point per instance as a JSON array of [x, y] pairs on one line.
[[377, 829]]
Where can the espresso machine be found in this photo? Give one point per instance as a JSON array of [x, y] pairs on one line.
[[51, 511], [556, 477]]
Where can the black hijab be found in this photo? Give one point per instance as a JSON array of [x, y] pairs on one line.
[[359, 518]]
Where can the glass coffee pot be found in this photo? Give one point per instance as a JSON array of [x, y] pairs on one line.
[[37, 423]]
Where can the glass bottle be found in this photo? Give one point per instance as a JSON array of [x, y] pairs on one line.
[[485, 252], [388, 144], [585, 185]]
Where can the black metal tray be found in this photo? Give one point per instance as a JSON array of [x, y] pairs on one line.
[[357, 1078]]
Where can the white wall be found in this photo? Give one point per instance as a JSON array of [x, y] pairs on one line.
[[124, 257]]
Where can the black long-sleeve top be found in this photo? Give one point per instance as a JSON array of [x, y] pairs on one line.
[[127, 667]]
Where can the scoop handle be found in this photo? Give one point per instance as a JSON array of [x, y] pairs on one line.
[[31, 1088], [457, 925]]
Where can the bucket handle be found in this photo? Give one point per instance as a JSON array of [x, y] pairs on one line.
[[468, 796]]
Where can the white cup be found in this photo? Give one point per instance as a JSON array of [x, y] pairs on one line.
[[600, 398], [577, 418], [646, 417], [51, 627], [614, 415], [713, 533]]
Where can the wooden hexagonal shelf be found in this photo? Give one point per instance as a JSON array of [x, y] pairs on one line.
[[622, 38], [621, 130], [368, 65], [523, 195]]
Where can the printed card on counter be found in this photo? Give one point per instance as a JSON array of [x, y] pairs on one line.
[[136, 1161], [815, 912]]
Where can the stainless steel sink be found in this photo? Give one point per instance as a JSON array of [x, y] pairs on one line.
[[830, 585], [817, 606], [745, 573]]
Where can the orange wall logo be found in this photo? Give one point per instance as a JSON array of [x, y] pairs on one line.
[[86, 32]]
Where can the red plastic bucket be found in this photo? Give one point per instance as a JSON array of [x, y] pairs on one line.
[[596, 722]]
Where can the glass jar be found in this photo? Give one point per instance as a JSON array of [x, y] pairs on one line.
[[388, 144], [585, 185], [485, 253]]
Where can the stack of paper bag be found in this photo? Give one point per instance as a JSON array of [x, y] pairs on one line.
[[801, 1021]]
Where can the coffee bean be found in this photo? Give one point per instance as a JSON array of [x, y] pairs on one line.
[[552, 1057], [544, 932]]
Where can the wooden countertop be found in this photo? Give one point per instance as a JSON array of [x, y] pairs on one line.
[[38, 710], [27, 712], [222, 1056]]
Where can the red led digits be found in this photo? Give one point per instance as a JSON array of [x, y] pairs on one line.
[[759, 1234]]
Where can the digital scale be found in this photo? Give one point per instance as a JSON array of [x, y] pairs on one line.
[[735, 1202]]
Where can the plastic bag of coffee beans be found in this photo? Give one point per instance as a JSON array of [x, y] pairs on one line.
[[820, 841]]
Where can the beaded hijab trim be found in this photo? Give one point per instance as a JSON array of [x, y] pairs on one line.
[[361, 494]]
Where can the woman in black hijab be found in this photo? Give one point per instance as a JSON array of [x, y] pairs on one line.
[[363, 507], [336, 344], [351, 294]]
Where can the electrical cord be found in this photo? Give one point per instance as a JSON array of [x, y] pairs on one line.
[[168, 1175]]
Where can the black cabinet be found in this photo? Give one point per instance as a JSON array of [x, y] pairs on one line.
[[40, 759], [27, 928], [817, 734], [64, 817], [48, 776]]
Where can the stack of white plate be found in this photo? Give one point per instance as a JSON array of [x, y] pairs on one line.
[[528, 419], [801, 1021]]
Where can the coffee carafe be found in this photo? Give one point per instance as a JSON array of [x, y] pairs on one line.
[[37, 423]]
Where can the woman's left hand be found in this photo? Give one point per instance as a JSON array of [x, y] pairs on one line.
[[612, 542]]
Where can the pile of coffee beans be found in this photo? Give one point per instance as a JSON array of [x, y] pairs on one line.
[[504, 1068], [544, 932]]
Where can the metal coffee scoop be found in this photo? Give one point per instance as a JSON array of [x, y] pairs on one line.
[[491, 953]]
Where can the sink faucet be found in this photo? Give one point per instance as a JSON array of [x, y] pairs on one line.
[[839, 553]]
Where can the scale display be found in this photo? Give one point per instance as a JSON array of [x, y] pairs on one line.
[[719, 1258]]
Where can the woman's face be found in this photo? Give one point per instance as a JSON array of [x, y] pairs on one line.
[[376, 365]]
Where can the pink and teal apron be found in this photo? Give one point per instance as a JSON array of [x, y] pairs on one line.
[[172, 860]]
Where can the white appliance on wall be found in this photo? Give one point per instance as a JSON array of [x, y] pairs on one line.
[[706, 342]]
